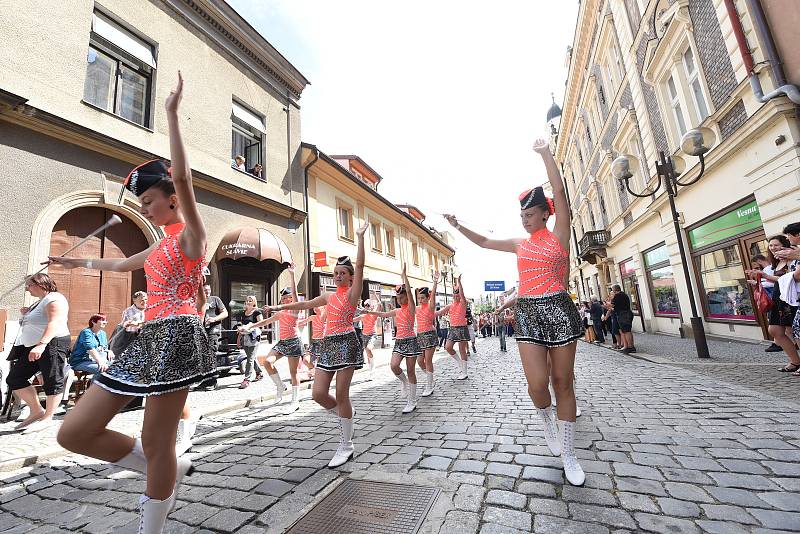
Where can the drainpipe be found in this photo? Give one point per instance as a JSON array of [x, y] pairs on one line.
[[757, 12], [306, 229]]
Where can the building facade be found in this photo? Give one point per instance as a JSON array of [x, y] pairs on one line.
[[82, 90], [642, 73], [342, 196]]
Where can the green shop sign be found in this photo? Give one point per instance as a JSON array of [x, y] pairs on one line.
[[733, 223]]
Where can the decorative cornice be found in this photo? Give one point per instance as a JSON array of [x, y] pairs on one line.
[[220, 22]]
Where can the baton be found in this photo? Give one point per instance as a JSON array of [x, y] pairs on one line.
[[114, 220]]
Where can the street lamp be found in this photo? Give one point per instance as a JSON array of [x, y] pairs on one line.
[[695, 142]]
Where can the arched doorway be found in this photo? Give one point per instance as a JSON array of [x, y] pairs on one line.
[[89, 290]]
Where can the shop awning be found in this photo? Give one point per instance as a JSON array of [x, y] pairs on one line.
[[249, 242]]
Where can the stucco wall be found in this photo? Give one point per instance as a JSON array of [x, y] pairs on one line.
[[38, 169], [43, 58]]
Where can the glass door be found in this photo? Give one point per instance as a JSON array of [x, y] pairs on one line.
[[754, 246]]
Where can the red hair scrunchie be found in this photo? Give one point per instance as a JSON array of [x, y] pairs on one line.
[[551, 205]]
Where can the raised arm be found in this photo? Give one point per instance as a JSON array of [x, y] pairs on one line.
[[321, 300], [503, 245], [293, 283], [258, 324], [390, 313], [562, 224], [354, 295], [443, 311], [412, 305], [461, 289], [432, 298], [120, 265]]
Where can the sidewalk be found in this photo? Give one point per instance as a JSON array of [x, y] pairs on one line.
[[735, 362], [26, 449]]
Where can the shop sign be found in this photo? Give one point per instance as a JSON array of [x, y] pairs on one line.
[[735, 222], [321, 259]]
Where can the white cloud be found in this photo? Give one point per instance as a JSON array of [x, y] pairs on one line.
[[442, 98]]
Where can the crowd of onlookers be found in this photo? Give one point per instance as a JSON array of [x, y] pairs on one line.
[[611, 318], [777, 293]]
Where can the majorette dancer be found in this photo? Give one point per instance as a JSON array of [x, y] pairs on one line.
[[172, 350], [289, 344], [368, 333], [341, 352], [426, 332], [317, 322], [459, 331], [547, 320], [406, 345]]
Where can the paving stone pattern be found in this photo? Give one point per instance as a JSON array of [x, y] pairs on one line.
[[665, 450]]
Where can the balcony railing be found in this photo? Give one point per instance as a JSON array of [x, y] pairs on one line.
[[593, 243]]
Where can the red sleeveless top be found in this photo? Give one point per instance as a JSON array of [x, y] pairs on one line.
[[458, 313], [425, 319], [318, 325], [405, 322], [172, 278], [368, 324], [287, 324], [339, 313], [542, 263]]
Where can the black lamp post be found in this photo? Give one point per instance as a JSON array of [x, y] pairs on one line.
[[695, 142]]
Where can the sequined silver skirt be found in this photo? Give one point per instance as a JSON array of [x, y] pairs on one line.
[[550, 320], [407, 346], [428, 340], [168, 355], [291, 347], [314, 350], [458, 333], [368, 340], [340, 351]]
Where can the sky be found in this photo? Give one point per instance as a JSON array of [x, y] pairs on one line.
[[442, 98]]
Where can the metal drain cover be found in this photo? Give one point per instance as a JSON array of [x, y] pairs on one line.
[[366, 507]]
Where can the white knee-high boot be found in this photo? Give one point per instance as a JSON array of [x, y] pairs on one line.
[[295, 405], [462, 366], [411, 398], [153, 513], [346, 448], [136, 461], [551, 435], [403, 384], [428, 385], [572, 469], [280, 387]]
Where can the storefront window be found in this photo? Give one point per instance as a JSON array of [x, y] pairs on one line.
[[661, 278], [725, 285], [628, 275]]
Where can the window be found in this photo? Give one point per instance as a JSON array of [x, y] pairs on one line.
[[389, 242], [376, 239], [345, 216], [247, 135], [628, 276], [415, 253], [119, 70], [675, 104], [661, 279], [725, 284], [695, 86]]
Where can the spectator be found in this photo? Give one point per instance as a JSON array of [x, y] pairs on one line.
[[214, 313], [508, 321], [444, 328], [781, 315], [762, 263], [90, 353], [238, 163], [256, 170], [596, 312], [621, 308], [249, 340], [42, 345], [132, 321], [587, 323]]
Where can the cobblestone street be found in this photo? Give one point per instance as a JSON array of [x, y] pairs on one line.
[[665, 450]]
